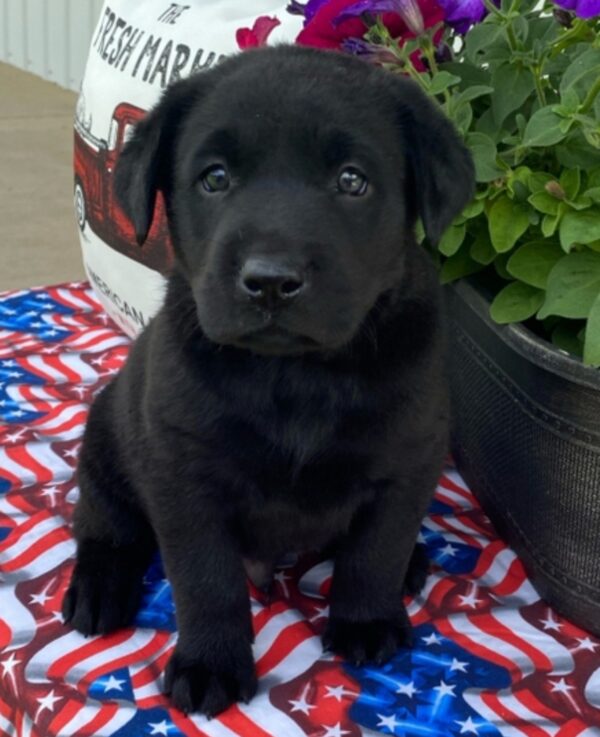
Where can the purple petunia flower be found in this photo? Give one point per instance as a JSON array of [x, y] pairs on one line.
[[367, 51], [295, 8], [582, 8], [462, 14], [308, 9], [408, 10]]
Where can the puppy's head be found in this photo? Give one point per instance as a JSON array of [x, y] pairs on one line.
[[293, 179]]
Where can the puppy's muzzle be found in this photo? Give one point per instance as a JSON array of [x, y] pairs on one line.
[[270, 282]]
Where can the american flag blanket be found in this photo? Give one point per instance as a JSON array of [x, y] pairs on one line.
[[490, 657]]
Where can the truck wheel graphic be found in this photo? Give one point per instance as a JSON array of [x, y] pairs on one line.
[[80, 210]]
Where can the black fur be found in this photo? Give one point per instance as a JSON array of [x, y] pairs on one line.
[[240, 430]]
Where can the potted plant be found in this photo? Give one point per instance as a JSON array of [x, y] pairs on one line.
[[521, 81]]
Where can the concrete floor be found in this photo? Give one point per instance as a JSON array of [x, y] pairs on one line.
[[39, 242]]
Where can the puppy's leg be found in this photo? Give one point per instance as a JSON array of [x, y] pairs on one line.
[[106, 587], [418, 568], [114, 547], [212, 666], [368, 619]]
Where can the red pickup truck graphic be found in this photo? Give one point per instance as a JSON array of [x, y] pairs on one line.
[[95, 201]]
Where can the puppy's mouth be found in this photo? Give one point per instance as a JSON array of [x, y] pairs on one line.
[[276, 341]]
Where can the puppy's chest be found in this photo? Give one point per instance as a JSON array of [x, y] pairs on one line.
[[270, 527], [306, 432], [288, 506]]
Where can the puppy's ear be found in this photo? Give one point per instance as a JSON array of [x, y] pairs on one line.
[[441, 175], [145, 164]]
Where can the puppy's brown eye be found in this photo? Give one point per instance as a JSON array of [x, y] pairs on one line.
[[352, 181], [215, 179]]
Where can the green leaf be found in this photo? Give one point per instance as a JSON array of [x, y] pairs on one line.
[[481, 38], [500, 266], [564, 112], [521, 27], [581, 226], [452, 239], [543, 29], [556, 66], [533, 262], [593, 194], [463, 117], [567, 121], [472, 93], [473, 209], [419, 231], [576, 151], [518, 183], [485, 124], [484, 154], [570, 101], [593, 178], [516, 302], [573, 286], [543, 202], [482, 250], [512, 86], [471, 75], [581, 203], [507, 222], [551, 222], [570, 181], [442, 81], [543, 129], [587, 121], [457, 266], [538, 180], [519, 192], [495, 54], [591, 134], [591, 348], [581, 74]]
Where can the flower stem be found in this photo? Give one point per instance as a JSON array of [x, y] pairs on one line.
[[510, 31], [577, 32], [590, 97], [491, 6], [512, 39], [405, 64], [537, 78], [429, 51], [413, 74]]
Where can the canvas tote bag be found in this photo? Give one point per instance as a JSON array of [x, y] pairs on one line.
[[138, 48]]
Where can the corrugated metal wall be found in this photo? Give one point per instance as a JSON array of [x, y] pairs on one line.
[[49, 38]]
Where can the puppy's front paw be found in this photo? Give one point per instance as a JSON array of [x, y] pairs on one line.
[[193, 686], [375, 641], [102, 597]]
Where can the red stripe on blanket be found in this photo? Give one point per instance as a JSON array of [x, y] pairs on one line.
[[284, 643], [19, 454]]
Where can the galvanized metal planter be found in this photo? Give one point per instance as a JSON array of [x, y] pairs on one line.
[[526, 437]]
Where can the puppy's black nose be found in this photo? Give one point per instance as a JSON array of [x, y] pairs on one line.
[[267, 280]]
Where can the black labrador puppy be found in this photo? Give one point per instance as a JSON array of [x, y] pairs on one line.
[[290, 394]]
